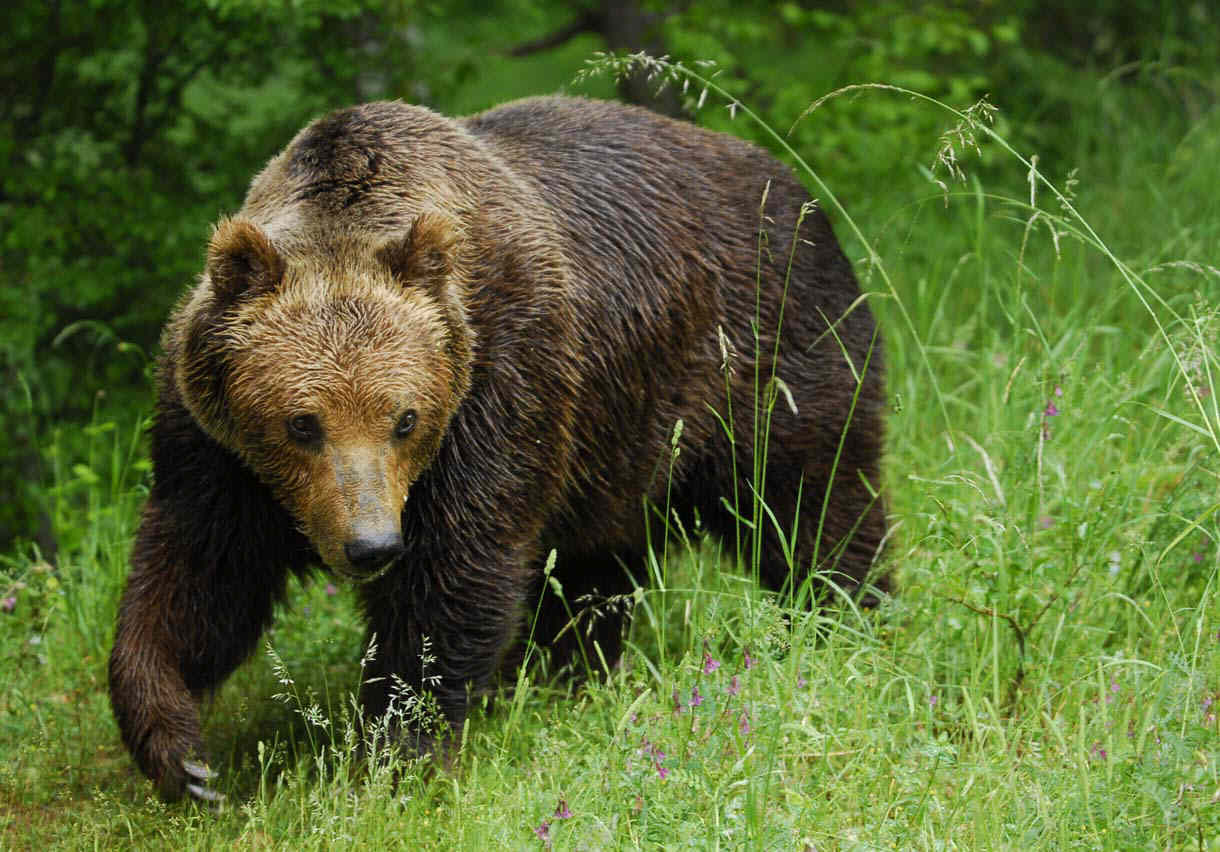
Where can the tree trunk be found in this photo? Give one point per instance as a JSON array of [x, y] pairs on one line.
[[627, 26]]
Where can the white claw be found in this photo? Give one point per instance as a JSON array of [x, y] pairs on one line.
[[198, 770], [201, 792]]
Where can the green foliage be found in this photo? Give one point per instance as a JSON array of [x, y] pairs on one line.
[[795, 54]]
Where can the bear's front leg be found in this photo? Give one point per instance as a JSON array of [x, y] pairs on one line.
[[195, 604], [157, 713], [210, 559], [437, 640]]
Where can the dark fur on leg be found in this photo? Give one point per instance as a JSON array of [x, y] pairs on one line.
[[210, 560]]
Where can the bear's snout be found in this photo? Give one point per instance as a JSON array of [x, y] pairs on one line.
[[353, 508], [368, 554]]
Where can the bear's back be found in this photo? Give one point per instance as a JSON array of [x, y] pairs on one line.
[[640, 181]]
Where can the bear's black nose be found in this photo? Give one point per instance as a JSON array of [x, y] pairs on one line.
[[367, 555]]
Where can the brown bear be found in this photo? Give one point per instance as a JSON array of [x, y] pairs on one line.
[[427, 352]]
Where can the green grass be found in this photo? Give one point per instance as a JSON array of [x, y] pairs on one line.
[[1047, 674]]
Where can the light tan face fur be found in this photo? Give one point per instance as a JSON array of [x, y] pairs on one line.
[[354, 366]]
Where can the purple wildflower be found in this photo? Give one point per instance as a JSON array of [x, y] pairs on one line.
[[1098, 752], [801, 682], [562, 812], [1046, 522], [750, 661], [1051, 410], [744, 723], [658, 758], [932, 699], [331, 591], [9, 604], [1198, 557], [544, 832], [709, 664], [677, 699], [1058, 390], [734, 686], [695, 698]]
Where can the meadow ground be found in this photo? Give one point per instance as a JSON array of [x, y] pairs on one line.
[[1046, 675]]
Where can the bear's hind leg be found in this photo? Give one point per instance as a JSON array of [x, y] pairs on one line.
[[839, 535], [838, 541]]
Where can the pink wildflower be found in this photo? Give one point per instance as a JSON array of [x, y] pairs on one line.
[[695, 698], [734, 686], [8, 604], [750, 661], [562, 812], [658, 758], [709, 664]]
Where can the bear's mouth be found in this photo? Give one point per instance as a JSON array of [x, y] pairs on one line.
[[361, 578]]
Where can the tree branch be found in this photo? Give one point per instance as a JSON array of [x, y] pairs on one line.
[[173, 94], [589, 21]]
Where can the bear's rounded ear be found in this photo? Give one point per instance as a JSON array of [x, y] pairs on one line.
[[242, 261], [426, 254]]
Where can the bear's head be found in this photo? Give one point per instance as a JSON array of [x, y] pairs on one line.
[[332, 375]]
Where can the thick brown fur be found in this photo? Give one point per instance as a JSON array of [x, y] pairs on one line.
[[480, 334]]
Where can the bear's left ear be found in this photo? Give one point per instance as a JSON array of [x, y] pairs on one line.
[[242, 261], [425, 255]]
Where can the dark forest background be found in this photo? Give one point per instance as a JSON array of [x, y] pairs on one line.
[[128, 126]]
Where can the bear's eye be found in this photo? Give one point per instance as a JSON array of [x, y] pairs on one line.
[[405, 424], [304, 428]]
